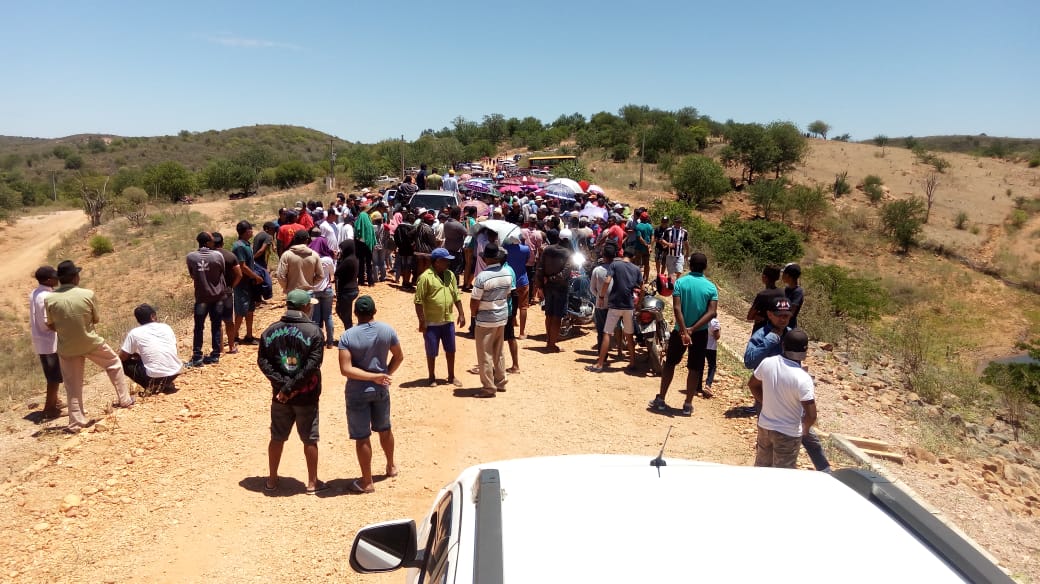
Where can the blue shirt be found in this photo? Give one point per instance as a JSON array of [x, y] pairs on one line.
[[765, 342], [695, 292], [369, 345], [516, 256]]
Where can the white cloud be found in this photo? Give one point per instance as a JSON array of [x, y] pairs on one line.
[[229, 40]]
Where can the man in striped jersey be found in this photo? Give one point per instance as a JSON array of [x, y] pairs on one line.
[[677, 246], [489, 305]]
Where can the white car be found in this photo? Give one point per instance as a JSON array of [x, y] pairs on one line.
[[603, 518], [388, 179]]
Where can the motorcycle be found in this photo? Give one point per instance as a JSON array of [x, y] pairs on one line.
[[581, 306], [652, 330]]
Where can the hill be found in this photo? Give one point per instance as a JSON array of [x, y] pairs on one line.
[[978, 145]]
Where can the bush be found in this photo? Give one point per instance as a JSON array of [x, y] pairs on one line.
[[769, 195], [1018, 219], [621, 151], [841, 184], [856, 298], [902, 221], [699, 179], [872, 187], [961, 220], [574, 170], [100, 245], [73, 162], [760, 242], [1035, 160], [293, 172]]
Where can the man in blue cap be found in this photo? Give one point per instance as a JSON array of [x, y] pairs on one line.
[[436, 296]]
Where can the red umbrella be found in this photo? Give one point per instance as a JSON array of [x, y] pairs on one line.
[[584, 184]]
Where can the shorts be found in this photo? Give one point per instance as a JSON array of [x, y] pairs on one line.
[[555, 302], [659, 255], [698, 347], [368, 411], [227, 308], [641, 258], [51, 368], [437, 334], [404, 262], [244, 301], [510, 333], [305, 417], [622, 314], [675, 264]]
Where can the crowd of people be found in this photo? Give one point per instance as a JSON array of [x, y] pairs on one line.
[[322, 256]]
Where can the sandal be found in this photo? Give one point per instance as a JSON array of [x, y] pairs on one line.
[[687, 410], [657, 404], [319, 486], [485, 393], [356, 488]]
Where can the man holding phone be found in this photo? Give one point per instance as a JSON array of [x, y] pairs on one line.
[[695, 301]]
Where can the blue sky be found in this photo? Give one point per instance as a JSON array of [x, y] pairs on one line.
[[364, 71]]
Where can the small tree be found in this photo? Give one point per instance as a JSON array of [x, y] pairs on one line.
[[961, 220], [882, 141], [902, 221], [699, 179], [930, 185], [572, 169], [93, 191], [872, 187], [811, 204], [841, 184], [621, 151], [767, 195], [819, 128], [132, 203]]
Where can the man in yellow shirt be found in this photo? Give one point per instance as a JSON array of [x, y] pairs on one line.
[[436, 294], [72, 313]]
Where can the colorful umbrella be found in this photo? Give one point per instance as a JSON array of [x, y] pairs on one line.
[[595, 189], [510, 189], [477, 186], [559, 191], [569, 183], [584, 184]]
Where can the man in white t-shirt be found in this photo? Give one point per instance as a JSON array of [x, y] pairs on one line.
[[44, 340], [788, 400], [149, 353]]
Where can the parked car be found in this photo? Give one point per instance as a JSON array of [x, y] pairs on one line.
[[476, 166], [388, 179], [428, 199], [604, 518]]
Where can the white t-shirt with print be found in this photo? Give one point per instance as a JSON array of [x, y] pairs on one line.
[[713, 343], [785, 385]]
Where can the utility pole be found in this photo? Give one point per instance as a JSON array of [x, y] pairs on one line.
[[402, 157], [332, 164], [642, 156]]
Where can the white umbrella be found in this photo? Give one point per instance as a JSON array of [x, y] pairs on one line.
[[572, 184], [507, 232], [596, 189]]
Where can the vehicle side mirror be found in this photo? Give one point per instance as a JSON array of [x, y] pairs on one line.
[[384, 547]]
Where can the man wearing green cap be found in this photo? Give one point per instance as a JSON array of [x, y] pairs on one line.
[[290, 355], [363, 351]]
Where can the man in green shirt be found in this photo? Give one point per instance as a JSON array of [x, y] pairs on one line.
[[72, 314], [645, 234], [436, 294]]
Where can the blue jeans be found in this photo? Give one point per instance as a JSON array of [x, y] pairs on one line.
[[321, 313], [813, 447], [214, 311], [379, 256]]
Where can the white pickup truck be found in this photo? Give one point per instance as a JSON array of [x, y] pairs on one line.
[[606, 518]]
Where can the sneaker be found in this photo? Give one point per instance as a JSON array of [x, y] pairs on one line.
[[657, 404], [247, 341], [211, 360], [687, 410], [195, 363]]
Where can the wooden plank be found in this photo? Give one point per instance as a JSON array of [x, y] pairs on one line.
[[893, 456], [870, 443]]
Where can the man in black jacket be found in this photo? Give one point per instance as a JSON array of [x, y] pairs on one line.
[[290, 355]]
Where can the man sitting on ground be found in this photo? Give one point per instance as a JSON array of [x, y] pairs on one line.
[[149, 353]]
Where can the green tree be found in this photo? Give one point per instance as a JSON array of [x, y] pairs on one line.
[[256, 158], [902, 220], [699, 180], [620, 152], [574, 170], [225, 175], [96, 145], [750, 147], [767, 195], [759, 242], [292, 173], [73, 162], [819, 128], [169, 180], [855, 298], [61, 151], [810, 203], [495, 127], [790, 146], [881, 140]]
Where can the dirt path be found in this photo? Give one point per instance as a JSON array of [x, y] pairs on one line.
[[28, 242]]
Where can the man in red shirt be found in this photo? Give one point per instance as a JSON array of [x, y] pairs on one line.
[[287, 230]]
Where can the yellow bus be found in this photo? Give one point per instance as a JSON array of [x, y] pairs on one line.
[[548, 161]]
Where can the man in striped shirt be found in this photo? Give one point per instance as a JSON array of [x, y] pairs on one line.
[[677, 245], [489, 305]]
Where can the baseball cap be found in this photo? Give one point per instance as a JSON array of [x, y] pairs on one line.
[[375, 216], [67, 268], [565, 234], [780, 306], [298, 299], [793, 269], [365, 305], [491, 251], [441, 254], [796, 344], [45, 273]]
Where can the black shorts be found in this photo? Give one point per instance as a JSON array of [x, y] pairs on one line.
[[227, 307], [698, 347], [555, 301], [51, 368], [305, 417], [510, 333]]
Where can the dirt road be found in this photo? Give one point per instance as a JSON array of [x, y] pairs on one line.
[[28, 242]]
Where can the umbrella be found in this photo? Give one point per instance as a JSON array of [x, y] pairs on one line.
[[465, 177], [507, 232], [482, 208], [571, 184], [529, 188], [477, 186], [510, 189], [559, 191], [594, 212], [595, 189], [584, 184]]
